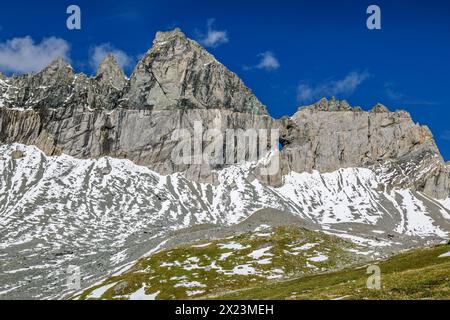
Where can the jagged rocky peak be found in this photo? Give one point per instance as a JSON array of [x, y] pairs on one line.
[[3, 84], [330, 105], [380, 108], [164, 36], [59, 68], [335, 105], [58, 63], [110, 72], [48, 88], [178, 73], [105, 90]]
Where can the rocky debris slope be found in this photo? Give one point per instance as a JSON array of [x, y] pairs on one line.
[[102, 214]]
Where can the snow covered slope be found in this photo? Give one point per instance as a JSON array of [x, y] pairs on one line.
[[102, 214]]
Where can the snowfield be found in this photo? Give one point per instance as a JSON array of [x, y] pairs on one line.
[[103, 214]]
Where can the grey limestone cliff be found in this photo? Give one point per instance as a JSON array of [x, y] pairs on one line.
[[177, 83], [177, 73], [330, 135]]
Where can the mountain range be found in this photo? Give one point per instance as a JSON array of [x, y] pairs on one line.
[[88, 177]]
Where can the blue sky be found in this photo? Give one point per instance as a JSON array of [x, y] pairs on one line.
[[288, 52]]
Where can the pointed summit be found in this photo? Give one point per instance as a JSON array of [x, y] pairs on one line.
[[58, 63], [165, 36], [48, 88], [59, 68], [380, 108], [330, 105], [107, 63], [110, 72], [178, 73]]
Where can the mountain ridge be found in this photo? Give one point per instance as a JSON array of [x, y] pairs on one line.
[[87, 175], [178, 83]]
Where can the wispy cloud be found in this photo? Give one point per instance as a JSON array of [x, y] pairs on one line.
[[99, 53], [213, 38], [23, 55], [267, 62], [307, 93], [393, 94]]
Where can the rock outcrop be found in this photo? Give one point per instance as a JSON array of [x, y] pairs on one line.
[[107, 87], [330, 135], [178, 83], [338, 136], [177, 73]]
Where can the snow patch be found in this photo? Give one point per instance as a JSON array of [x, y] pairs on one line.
[[243, 270], [257, 254], [141, 295], [319, 258], [232, 246], [97, 293], [305, 247]]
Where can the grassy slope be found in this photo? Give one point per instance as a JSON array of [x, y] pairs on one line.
[[419, 274], [214, 270], [216, 267]]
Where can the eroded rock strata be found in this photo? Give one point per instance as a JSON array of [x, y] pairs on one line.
[[178, 83]]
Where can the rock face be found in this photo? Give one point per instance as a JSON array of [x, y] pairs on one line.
[[58, 87], [178, 83], [145, 137], [108, 85], [174, 85], [327, 139], [177, 73], [330, 135]]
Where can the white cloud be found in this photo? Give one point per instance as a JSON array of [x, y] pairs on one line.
[[268, 61], [214, 38], [99, 53], [23, 55], [307, 93]]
